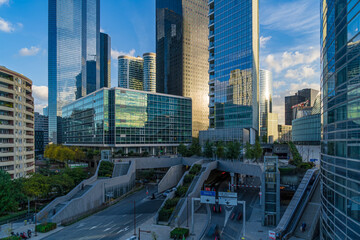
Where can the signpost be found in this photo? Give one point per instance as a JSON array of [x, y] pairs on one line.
[[272, 235], [207, 197], [228, 198]]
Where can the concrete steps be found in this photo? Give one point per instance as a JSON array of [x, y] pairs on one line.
[[120, 169]]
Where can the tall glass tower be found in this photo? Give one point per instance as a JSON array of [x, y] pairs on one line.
[[105, 60], [234, 64], [130, 72], [340, 145], [149, 72], [73, 54], [181, 54], [265, 95]]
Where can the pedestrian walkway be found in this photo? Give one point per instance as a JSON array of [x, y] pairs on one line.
[[254, 228], [19, 227]]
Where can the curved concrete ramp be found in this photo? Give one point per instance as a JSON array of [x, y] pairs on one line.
[[241, 168]]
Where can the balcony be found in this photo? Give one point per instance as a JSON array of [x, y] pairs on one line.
[[211, 12], [211, 46], [210, 2], [211, 23]]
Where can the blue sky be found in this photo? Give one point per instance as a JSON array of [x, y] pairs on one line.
[[289, 40]]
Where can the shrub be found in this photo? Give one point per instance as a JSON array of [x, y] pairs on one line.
[[106, 169], [179, 233], [43, 228], [11, 238], [181, 191], [195, 169], [171, 203], [165, 214], [306, 165], [188, 178]]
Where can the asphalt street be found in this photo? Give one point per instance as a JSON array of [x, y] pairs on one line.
[[115, 221]]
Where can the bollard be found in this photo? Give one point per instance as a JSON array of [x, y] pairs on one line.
[[25, 222]]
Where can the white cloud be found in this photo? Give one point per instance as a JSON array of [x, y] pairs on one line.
[[40, 93], [264, 40], [285, 60], [278, 84], [2, 2], [102, 30], [6, 26], [115, 54], [29, 51], [294, 87], [301, 73]]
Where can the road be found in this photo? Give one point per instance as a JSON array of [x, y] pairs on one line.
[[232, 229], [115, 221]]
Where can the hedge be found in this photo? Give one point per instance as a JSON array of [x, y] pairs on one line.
[[195, 169], [106, 169], [45, 227], [188, 178], [165, 214], [179, 233], [11, 238]]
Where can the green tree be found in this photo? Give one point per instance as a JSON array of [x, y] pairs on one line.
[[208, 149], [37, 186], [195, 147], [220, 149], [61, 183], [249, 152], [257, 150], [233, 150], [182, 149], [10, 193], [77, 174], [264, 138]]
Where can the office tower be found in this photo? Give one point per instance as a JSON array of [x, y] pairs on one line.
[[16, 124], [265, 95], [234, 68], [41, 133], [340, 148], [130, 72], [105, 60], [149, 72], [73, 54], [182, 56], [306, 96], [145, 121], [284, 133], [46, 111], [272, 131]]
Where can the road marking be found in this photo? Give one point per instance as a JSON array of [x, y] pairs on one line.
[[108, 224], [139, 215], [107, 229], [123, 230], [94, 226], [80, 225]]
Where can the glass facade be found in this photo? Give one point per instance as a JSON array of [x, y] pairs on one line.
[[121, 117], [105, 60], [265, 95], [130, 72], [73, 54], [340, 144], [149, 72], [182, 56], [307, 130], [234, 62]]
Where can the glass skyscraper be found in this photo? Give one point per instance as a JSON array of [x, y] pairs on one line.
[[149, 72], [266, 94], [340, 145], [234, 64], [130, 72], [181, 54], [73, 54], [105, 60]]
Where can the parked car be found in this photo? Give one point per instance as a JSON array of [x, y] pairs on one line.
[[217, 208], [166, 193]]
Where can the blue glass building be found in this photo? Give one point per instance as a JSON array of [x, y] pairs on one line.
[[105, 60], [128, 120], [340, 145], [234, 66], [73, 54]]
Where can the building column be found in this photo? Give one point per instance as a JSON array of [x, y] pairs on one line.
[[126, 150], [153, 151]]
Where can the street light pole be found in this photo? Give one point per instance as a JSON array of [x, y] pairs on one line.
[[143, 231], [134, 219]]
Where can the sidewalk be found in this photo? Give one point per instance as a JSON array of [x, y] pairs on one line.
[[19, 227], [163, 232], [254, 229]]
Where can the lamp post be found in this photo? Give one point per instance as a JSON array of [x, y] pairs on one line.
[[143, 231]]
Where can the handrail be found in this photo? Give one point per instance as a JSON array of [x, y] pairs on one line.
[[301, 211], [292, 209]]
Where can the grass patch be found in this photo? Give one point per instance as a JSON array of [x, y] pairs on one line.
[[45, 227]]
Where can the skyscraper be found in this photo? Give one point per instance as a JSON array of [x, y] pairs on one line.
[[181, 54], [130, 72], [149, 72], [266, 94], [73, 54], [105, 60], [303, 95], [234, 67], [340, 145]]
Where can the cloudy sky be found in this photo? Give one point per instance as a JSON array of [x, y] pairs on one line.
[[289, 37]]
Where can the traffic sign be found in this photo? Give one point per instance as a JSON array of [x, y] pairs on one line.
[[229, 201], [313, 160], [207, 199], [208, 193], [228, 194]]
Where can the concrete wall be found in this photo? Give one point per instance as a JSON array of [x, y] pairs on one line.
[[94, 197], [182, 215], [252, 169], [171, 178]]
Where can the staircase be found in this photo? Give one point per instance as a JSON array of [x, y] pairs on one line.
[[120, 169], [310, 216]]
